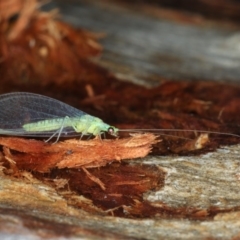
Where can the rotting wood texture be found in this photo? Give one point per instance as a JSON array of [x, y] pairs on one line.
[[42, 157], [37, 50]]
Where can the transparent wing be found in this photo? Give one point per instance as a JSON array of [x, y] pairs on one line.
[[17, 109], [66, 132]]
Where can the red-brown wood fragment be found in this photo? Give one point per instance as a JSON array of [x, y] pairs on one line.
[[39, 156], [124, 183], [194, 144], [94, 179]]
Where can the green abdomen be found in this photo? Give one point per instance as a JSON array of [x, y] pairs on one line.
[[45, 125]]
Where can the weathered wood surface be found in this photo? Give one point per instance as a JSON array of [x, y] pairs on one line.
[[139, 48], [207, 181], [141, 45]]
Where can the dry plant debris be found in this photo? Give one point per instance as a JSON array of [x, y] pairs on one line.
[[42, 157]]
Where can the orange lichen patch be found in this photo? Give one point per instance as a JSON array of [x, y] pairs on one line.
[[39, 156], [40, 47]]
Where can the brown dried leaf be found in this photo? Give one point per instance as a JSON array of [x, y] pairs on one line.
[[39, 156]]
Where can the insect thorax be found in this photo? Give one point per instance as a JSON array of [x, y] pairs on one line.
[[88, 124]]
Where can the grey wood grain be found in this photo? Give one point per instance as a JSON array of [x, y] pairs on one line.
[[144, 49]]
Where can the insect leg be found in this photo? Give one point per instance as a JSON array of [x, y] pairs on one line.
[[104, 135], [90, 135], [51, 136], [83, 134], [59, 131]]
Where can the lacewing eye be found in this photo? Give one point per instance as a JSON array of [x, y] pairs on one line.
[[111, 130]]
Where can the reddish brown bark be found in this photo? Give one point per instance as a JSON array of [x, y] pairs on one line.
[[42, 157]]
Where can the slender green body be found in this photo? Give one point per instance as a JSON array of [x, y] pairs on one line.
[[29, 114], [85, 124]]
